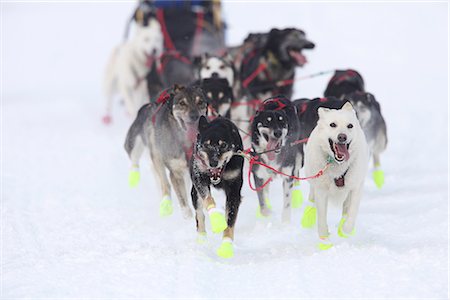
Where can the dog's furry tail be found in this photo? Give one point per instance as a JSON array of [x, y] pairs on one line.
[[135, 136]]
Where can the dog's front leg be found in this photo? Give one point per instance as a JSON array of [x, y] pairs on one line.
[[126, 90], [288, 184], [350, 211], [233, 193], [260, 177], [199, 216], [216, 216], [178, 183], [321, 205]]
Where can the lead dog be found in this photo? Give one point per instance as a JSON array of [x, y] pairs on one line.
[[168, 129], [339, 142], [128, 67], [216, 164]]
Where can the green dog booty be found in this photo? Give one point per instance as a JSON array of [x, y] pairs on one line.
[[133, 178], [165, 207], [341, 232], [297, 198], [226, 248], [217, 219], [378, 178], [324, 244], [309, 216], [259, 215]]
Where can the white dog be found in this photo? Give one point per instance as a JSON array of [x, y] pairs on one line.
[[129, 65], [338, 141]]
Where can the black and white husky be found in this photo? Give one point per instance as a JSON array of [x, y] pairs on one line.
[[168, 128], [215, 163], [219, 95], [349, 85], [274, 130]]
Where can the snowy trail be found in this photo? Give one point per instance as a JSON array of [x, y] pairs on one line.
[[72, 228]]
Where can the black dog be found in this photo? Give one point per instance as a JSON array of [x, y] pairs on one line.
[[275, 129], [219, 95], [269, 69], [215, 163], [344, 82]]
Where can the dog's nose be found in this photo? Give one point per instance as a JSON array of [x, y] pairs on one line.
[[194, 116], [342, 137], [213, 163], [215, 75], [277, 133]]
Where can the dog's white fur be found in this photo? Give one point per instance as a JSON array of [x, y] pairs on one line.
[[127, 69], [213, 64], [324, 189]]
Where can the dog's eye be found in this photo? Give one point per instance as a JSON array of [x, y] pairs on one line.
[[333, 125], [223, 145], [208, 67], [182, 103], [349, 126], [222, 67]]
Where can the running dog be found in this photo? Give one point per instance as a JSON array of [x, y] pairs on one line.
[[337, 147], [168, 128], [349, 84], [128, 67], [215, 163], [219, 95], [275, 128]]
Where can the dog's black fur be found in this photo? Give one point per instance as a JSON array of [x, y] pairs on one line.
[[274, 49], [216, 141], [219, 95], [344, 82], [276, 126], [307, 111]]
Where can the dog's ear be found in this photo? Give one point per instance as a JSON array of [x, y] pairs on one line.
[[202, 123], [197, 61], [177, 88], [322, 111], [347, 106]]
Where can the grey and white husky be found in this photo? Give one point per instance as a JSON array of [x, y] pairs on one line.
[[168, 128]]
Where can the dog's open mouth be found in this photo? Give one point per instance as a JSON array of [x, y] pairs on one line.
[[190, 128], [340, 150], [215, 175], [273, 147], [297, 56]]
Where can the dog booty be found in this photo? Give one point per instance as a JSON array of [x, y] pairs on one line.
[[341, 232], [267, 211], [133, 177], [309, 216], [378, 178], [217, 219], [297, 195], [201, 238], [324, 243], [165, 207], [226, 248]]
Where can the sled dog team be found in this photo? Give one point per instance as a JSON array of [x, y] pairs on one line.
[[210, 113]]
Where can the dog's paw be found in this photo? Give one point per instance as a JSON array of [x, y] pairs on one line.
[[226, 248], [134, 177], [296, 196], [378, 178], [106, 119], [217, 219], [324, 243], [201, 238], [309, 217], [266, 211], [186, 212], [341, 231], [165, 207]]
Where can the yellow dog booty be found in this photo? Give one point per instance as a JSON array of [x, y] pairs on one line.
[[201, 238], [217, 219], [259, 214], [133, 177], [165, 206], [341, 232], [297, 195], [378, 178], [309, 216], [324, 243], [226, 248]]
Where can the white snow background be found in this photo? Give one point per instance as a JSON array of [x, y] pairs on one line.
[[72, 228]]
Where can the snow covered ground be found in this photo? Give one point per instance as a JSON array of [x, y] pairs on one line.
[[71, 227]]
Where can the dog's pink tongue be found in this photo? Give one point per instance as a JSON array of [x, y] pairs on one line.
[[342, 151], [149, 61], [191, 133], [271, 145], [299, 57]]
